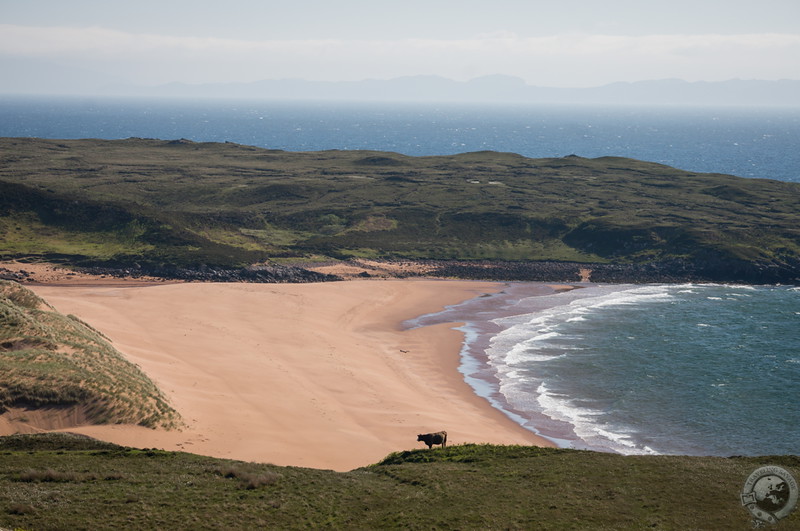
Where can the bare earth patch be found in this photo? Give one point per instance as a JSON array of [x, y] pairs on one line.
[[36, 420], [373, 269]]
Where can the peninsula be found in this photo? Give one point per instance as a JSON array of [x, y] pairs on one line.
[[200, 210]]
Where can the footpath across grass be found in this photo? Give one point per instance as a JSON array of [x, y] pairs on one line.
[[60, 481]]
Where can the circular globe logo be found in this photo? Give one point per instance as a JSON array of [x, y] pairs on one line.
[[770, 493]]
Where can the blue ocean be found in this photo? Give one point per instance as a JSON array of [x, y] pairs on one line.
[[654, 369], [694, 369], [748, 142]]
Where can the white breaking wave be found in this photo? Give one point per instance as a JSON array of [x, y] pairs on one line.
[[586, 426], [539, 337], [589, 400], [525, 333]]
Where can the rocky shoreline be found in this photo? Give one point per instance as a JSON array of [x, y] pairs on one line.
[[657, 272], [261, 274], [57, 273], [674, 271]]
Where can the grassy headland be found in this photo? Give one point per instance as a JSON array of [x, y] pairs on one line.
[[54, 361], [65, 482], [140, 201]]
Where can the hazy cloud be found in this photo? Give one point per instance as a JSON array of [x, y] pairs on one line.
[[569, 59]]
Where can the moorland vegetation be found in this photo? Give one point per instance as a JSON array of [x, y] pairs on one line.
[[153, 203], [58, 481]]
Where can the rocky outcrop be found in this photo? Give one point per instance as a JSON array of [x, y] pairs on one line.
[[262, 273], [18, 276], [666, 271], [710, 269]]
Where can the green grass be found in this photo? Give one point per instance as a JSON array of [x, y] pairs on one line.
[[190, 203], [52, 360], [65, 482], [25, 235]]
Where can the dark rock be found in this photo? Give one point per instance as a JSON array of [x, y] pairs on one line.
[[707, 269], [672, 271], [7, 274], [205, 273]]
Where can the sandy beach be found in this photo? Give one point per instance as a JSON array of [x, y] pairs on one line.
[[313, 375]]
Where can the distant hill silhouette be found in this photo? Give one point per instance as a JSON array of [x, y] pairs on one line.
[[497, 88], [43, 77]]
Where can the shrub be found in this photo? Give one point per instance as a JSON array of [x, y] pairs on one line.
[[56, 476], [248, 478], [21, 509]]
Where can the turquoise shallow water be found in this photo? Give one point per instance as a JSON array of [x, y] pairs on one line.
[[661, 369]]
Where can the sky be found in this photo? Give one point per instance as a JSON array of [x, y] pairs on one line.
[[564, 43]]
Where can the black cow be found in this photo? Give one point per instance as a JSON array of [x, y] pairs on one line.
[[440, 437]]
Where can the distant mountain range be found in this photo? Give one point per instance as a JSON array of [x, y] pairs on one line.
[[496, 88], [32, 77]]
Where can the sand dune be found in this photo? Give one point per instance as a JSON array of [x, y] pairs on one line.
[[314, 375]]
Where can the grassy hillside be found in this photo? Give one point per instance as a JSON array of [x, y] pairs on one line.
[[225, 204], [65, 482], [49, 360]]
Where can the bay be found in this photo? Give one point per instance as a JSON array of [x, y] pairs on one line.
[[693, 369]]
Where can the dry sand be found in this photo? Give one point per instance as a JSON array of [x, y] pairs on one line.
[[313, 375]]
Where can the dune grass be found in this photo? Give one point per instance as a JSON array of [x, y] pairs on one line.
[[52, 360]]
